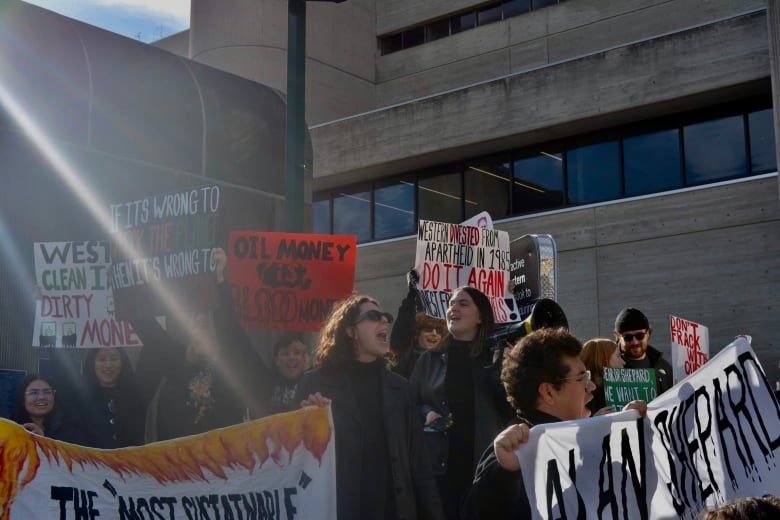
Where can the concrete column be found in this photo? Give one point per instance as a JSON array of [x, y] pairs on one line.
[[773, 22]]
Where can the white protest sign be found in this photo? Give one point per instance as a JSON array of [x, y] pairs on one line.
[[712, 438], [690, 346], [76, 308], [453, 255]]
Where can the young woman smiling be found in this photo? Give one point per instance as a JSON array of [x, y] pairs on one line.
[[459, 396], [36, 409], [382, 469]]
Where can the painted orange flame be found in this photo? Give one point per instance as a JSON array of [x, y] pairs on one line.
[[177, 460]]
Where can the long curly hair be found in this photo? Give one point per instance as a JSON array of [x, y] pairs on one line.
[[336, 349]]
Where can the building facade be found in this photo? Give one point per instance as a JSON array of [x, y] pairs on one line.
[[638, 133]]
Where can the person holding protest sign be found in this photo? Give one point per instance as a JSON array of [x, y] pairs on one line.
[[290, 357], [459, 396], [209, 382], [546, 382], [414, 332], [597, 354], [382, 469], [36, 409], [632, 333]]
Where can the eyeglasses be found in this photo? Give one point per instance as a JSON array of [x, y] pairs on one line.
[[35, 393], [374, 315], [582, 377], [628, 338], [437, 330]]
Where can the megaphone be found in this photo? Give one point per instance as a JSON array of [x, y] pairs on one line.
[[545, 313]]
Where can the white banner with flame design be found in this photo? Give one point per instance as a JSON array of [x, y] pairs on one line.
[[280, 467]]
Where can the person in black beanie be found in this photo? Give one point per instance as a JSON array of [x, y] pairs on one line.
[[382, 468], [632, 333]]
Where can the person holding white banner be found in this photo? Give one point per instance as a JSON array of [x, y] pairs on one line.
[[545, 382], [382, 469], [459, 396]]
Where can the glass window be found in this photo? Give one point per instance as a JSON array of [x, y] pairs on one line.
[[462, 22], [394, 207], [593, 172], [512, 8], [537, 182], [320, 213], [486, 182], [439, 196], [414, 37], [651, 162], [762, 141], [352, 214], [392, 43], [538, 4], [714, 150], [436, 30], [489, 14]]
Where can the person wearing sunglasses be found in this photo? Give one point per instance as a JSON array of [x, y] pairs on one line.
[[632, 333], [546, 382], [459, 396], [382, 469], [36, 409]]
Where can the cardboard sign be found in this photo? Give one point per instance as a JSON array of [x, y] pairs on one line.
[[282, 466], [690, 346], [161, 252], [710, 439], [623, 385], [76, 307], [452, 255], [289, 280]]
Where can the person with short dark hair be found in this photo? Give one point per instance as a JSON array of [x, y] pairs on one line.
[[632, 333], [290, 357], [382, 469], [545, 382], [766, 507]]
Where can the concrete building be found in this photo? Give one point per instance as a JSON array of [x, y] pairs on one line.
[[638, 133]]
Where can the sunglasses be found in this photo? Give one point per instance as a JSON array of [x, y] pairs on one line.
[[35, 393], [583, 378], [438, 330], [630, 337], [374, 315]]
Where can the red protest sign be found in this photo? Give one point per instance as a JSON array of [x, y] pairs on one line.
[[289, 281]]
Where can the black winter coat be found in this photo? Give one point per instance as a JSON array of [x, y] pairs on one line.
[[491, 409], [416, 494]]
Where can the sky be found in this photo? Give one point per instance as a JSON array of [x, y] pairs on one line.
[[144, 20]]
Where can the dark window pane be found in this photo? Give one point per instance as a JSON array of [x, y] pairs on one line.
[[489, 14], [512, 8], [461, 22], [593, 173], [320, 213], [538, 182], [352, 214], [414, 37], [538, 4], [394, 208], [436, 30], [439, 196], [486, 183], [392, 43], [714, 150], [762, 141], [651, 162]]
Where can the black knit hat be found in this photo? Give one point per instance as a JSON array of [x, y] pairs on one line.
[[631, 319]]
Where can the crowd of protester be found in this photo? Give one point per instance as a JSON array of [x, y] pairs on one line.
[[427, 417]]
